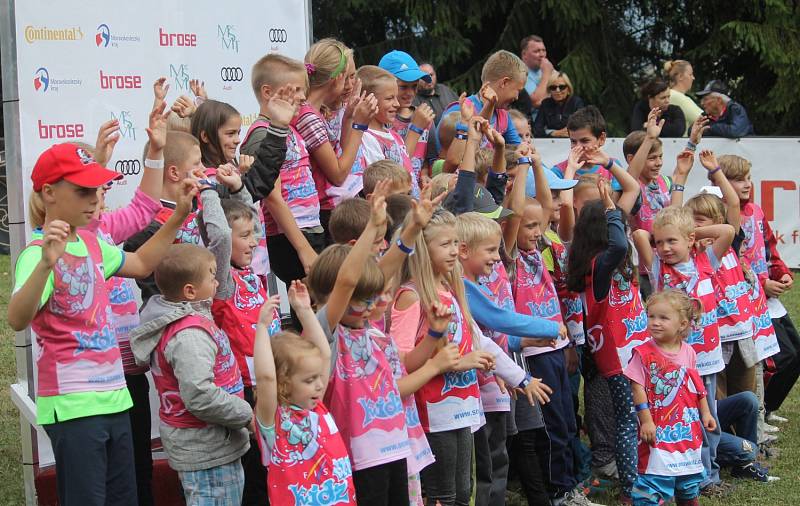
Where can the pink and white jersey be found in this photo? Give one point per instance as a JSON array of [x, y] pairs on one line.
[[673, 392], [754, 250], [497, 288], [763, 332], [695, 278], [734, 309], [364, 399], [570, 302], [375, 145], [535, 295], [78, 351], [421, 454], [655, 197], [308, 462], [297, 184]]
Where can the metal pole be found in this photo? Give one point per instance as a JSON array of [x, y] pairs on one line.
[[16, 226]]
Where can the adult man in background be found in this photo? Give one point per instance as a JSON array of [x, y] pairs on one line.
[[434, 93], [534, 53], [728, 118]]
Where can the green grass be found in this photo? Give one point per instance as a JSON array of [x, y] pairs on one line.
[[786, 466]]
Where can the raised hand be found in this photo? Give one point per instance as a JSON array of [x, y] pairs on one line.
[[423, 116], [267, 312], [488, 95], [160, 89], [477, 125], [186, 194], [708, 160], [377, 215], [245, 163], [184, 107], [107, 138], [299, 297], [281, 107], [198, 87], [353, 100], [466, 107], [495, 138], [605, 197], [157, 126], [699, 127], [439, 316], [54, 241], [653, 125], [422, 211], [365, 109], [597, 157], [229, 177], [574, 161], [685, 160]]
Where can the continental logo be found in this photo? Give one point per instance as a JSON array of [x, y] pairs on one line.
[[41, 33]]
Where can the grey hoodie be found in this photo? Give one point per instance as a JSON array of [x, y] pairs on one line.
[[191, 353]]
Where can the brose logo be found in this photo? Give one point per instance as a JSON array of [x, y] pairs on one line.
[[103, 37], [176, 39], [110, 81], [179, 75], [228, 74], [278, 35], [227, 37], [60, 131], [128, 167], [42, 81], [34, 33]]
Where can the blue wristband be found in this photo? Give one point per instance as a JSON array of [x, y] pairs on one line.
[[461, 137], [360, 126], [642, 406], [524, 159], [609, 164], [434, 334], [417, 130], [405, 249], [461, 127], [525, 382]]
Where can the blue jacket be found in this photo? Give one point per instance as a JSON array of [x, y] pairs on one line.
[[733, 123]]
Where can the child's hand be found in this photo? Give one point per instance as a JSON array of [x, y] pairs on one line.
[[488, 95], [423, 116], [184, 107], [466, 107], [157, 126], [647, 432], [107, 138], [307, 257], [537, 389], [605, 194], [422, 211], [438, 316], [571, 359], [478, 359], [186, 193], [281, 107], [574, 161], [160, 90], [774, 288], [447, 358], [653, 126], [476, 128], [365, 109], [524, 149], [267, 312], [535, 156], [787, 281], [685, 160], [562, 331], [699, 127], [495, 138], [533, 342], [198, 87], [54, 242], [352, 101], [378, 213], [229, 177], [245, 163], [597, 157], [299, 298], [708, 160], [709, 423]]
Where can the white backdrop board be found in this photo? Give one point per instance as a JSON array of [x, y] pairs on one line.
[[775, 174], [81, 63]]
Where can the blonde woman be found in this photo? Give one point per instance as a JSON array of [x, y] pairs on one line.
[[555, 109]]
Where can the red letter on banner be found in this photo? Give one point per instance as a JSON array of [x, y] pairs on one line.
[[768, 198]]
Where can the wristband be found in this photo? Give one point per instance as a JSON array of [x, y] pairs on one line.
[[209, 183], [526, 381], [691, 146], [360, 126], [609, 164], [417, 130], [524, 160], [461, 136], [642, 406], [461, 127], [238, 190], [154, 164], [677, 188], [434, 334], [712, 172], [405, 249]]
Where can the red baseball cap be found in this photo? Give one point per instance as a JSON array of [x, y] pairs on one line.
[[70, 162]]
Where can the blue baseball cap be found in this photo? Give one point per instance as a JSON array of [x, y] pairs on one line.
[[403, 67], [555, 182]]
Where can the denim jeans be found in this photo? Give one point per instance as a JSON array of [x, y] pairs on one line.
[[740, 413], [711, 438], [448, 479]]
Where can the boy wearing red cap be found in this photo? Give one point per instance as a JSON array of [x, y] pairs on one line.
[[59, 290]]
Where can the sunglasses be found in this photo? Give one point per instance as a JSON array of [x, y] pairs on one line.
[[559, 87]]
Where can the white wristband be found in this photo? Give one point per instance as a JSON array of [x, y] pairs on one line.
[[154, 164]]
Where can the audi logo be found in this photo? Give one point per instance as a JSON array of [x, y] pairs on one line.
[[128, 167], [278, 35], [231, 74]]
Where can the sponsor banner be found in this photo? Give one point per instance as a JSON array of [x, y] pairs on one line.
[[82, 63], [775, 174]]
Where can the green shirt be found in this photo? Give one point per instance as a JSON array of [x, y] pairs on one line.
[[691, 111], [50, 409]]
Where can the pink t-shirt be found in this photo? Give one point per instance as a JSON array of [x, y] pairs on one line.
[[685, 357], [405, 324]]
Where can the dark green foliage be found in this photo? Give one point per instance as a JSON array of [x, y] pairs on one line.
[[606, 46]]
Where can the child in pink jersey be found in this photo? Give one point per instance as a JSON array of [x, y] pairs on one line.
[[60, 291], [671, 403], [301, 444]]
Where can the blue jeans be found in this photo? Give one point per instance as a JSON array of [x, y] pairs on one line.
[[739, 412], [711, 438], [651, 489], [216, 486]]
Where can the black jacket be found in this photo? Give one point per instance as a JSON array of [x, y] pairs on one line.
[[553, 116], [674, 124]]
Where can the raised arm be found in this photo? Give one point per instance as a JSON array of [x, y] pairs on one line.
[[683, 166], [652, 131], [422, 119], [264, 364], [300, 301], [722, 236], [641, 240], [630, 188], [729, 195], [515, 200]]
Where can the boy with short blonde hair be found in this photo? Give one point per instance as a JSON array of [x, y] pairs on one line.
[[386, 170]]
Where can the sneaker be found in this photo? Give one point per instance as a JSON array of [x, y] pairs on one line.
[[752, 472], [608, 471], [576, 498], [768, 439], [774, 418], [771, 428]]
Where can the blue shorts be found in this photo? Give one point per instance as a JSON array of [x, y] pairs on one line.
[[651, 489], [217, 486]]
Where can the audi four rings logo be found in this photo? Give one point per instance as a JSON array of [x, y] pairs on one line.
[[278, 35], [128, 167], [231, 74]]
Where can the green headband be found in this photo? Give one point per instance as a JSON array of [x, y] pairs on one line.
[[342, 64]]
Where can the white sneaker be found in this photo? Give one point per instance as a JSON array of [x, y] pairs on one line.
[[576, 498], [608, 471], [771, 429], [768, 438], [775, 418]]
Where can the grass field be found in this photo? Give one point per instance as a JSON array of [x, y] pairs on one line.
[[784, 492]]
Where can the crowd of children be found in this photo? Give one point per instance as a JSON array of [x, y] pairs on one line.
[[443, 311]]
